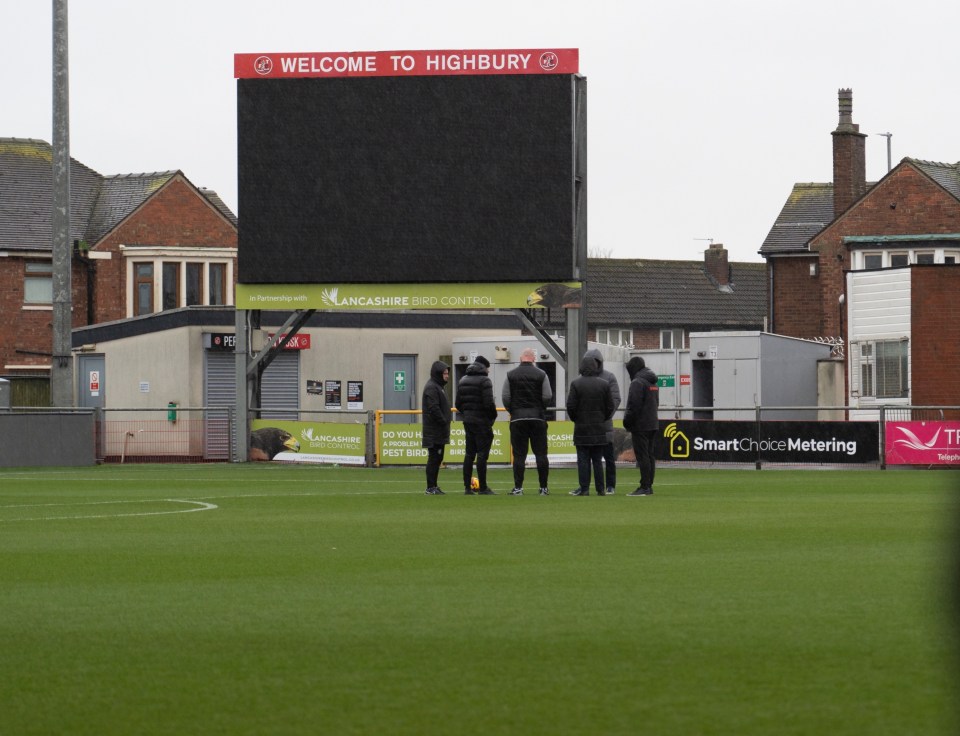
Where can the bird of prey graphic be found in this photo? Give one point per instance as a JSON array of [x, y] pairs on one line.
[[266, 443], [551, 296]]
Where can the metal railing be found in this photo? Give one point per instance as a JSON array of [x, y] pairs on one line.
[[208, 434]]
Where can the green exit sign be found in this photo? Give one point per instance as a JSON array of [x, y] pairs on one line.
[[666, 381]]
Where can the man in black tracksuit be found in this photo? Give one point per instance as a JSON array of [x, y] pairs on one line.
[[526, 394], [478, 411], [641, 420], [435, 407]]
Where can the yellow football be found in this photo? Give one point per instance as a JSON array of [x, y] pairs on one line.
[[474, 482]]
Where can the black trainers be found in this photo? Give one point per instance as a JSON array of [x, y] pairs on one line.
[[516, 492], [601, 492], [641, 492], [434, 492], [544, 492], [611, 490], [469, 492], [486, 491], [579, 492]]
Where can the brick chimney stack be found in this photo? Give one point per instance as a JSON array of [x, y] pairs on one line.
[[715, 260], [849, 157]]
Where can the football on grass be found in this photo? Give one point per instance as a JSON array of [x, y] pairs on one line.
[[474, 482]]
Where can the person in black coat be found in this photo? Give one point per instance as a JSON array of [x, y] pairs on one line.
[[590, 405], [641, 419], [609, 453], [478, 410], [435, 407], [526, 394]]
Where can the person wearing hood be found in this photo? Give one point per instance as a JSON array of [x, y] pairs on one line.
[[478, 410], [609, 454], [640, 419], [435, 407], [590, 405]]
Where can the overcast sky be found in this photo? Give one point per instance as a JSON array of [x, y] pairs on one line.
[[702, 114]]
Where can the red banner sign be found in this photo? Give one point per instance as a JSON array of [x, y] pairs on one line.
[[300, 341], [406, 63], [922, 443]]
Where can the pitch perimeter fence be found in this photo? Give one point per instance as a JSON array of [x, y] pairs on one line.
[[924, 436]]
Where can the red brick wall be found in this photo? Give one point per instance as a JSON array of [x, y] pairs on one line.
[[26, 335], [935, 335], [797, 304]]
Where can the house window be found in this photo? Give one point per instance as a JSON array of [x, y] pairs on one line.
[[926, 257], [873, 260], [38, 283], [883, 369], [899, 259], [218, 283], [615, 336], [194, 284], [171, 285], [950, 257], [142, 289], [671, 339], [159, 280]]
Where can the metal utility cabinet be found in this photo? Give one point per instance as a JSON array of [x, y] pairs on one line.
[[734, 372]]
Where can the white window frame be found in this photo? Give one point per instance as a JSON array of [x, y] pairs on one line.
[[182, 256], [39, 274], [940, 256], [674, 336], [624, 336], [868, 360], [898, 254]]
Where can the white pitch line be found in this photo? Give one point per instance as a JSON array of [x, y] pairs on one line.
[[201, 506]]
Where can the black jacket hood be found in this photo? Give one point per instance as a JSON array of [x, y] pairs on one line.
[[436, 371]]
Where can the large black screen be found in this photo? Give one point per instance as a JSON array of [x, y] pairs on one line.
[[406, 179]]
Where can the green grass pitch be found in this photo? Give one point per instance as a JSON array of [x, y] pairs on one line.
[[277, 599]]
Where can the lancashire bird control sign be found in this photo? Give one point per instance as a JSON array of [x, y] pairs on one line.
[[558, 295]]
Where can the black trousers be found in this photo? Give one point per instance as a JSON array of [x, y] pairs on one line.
[[532, 433], [434, 461], [590, 456], [610, 463], [645, 448], [479, 440]]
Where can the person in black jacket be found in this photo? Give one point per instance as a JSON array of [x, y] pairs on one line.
[[526, 393], [478, 410], [641, 420], [590, 405], [436, 423], [609, 454]]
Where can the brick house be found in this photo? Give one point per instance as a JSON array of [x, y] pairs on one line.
[[910, 219], [655, 305], [143, 243]]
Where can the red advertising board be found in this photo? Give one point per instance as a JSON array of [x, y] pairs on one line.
[[300, 341], [405, 63], [922, 443]]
